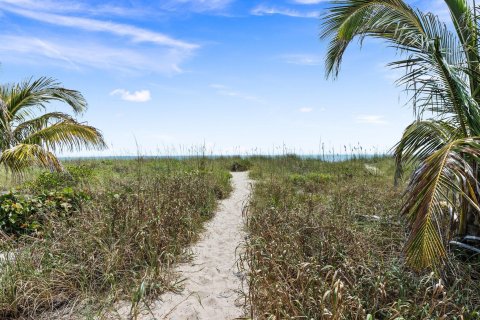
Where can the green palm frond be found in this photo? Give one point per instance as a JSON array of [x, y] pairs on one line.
[[28, 138], [433, 69], [467, 31], [21, 98], [67, 135], [419, 140], [24, 129], [22, 156], [392, 20], [444, 171], [439, 87]]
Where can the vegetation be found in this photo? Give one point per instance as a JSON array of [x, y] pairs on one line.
[[325, 242], [103, 232], [240, 165], [27, 138], [20, 214]]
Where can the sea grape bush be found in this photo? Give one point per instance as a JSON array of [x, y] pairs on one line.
[[20, 214]]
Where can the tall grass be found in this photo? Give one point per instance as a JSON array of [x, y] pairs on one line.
[[118, 245], [326, 242]]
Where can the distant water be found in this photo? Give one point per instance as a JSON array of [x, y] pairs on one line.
[[326, 157], [342, 157]]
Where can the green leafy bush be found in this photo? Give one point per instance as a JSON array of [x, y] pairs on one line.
[[25, 214], [16, 215]]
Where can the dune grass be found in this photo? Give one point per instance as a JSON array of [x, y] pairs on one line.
[[117, 244], [326, 242]]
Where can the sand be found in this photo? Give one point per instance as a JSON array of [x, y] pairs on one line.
[[212, 281]]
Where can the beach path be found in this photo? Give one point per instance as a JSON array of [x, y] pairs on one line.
[[212, 281]]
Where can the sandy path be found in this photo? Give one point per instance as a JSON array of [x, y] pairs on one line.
[[212, 279]]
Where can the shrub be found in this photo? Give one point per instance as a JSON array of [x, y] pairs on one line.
[[25, 214], [240, 165]]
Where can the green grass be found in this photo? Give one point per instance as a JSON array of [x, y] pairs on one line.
[[135, 223], [326, 242]]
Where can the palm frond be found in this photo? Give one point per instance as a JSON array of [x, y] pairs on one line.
[[22, 156], [37, 94], [444, 171], [24, 129], [467, 32], [392, 20], [419, 140], [434, 69], [67, 135]]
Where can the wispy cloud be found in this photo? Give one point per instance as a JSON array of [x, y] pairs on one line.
[[226, 91], [218, 86], [263, 10], [141, 49], [72, 55], [135, 9], [371, 119], [77, 7], [137, 96], [196, 5], [134, 33], [307, 1], [302, 59], [305, 110]]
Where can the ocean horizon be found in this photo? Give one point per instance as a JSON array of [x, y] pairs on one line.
[[327, 157]]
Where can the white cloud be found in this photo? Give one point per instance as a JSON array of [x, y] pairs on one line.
[[305, 110], [137, 96], [74, 55], [371, 119], [134, 33], [262, 10], [302, 59]]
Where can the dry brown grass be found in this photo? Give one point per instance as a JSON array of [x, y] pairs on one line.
[[326, 242], [119, 245]]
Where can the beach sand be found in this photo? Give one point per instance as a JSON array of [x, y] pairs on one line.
[[212, 281]]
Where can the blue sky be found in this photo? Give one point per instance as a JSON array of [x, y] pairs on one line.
[[236, 76]]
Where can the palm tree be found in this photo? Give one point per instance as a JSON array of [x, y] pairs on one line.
[[441, 74], [29, 136]]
